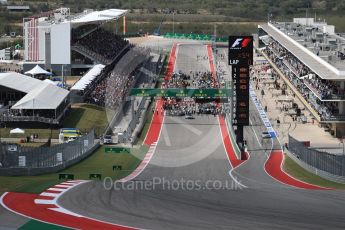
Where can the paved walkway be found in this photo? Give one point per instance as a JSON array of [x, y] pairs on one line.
[[127, 115], [275, 102]]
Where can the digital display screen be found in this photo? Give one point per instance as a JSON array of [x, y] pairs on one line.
[[240, 50]]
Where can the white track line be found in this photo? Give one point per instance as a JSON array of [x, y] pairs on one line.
[[235, 179], [65, 211], [256, 136], [40, 201], [281, 166], [56, 189], [166, 136], [62, 186], [142, 165], [50, 194], [227, 156], [20, 214]]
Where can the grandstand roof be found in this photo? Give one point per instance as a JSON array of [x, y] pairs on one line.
[[94, 16], [40, 94], [18, 7], [48, 96], [315, 63], [88, 77]]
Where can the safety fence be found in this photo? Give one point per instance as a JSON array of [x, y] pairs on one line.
[[150, 72], [18, 160], [323, 161], [28, 118], [201, 37]]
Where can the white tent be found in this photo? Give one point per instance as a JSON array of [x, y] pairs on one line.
[[48, 96], [39, 94], [17, 131], [37, 70], [51, 82], [88, 77]]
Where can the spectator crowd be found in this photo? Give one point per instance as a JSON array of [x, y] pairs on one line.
[[114, 82], [101, 44], [305, 81], [197, 80], [181, 107], [189, 106]]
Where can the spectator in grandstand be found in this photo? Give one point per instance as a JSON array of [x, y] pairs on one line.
[[114, 82], [304, 79], [102, 44]]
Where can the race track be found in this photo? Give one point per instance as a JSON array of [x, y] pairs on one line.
[[189, 182]]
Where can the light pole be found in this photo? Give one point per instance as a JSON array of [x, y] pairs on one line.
[[173, 21], [0, 132], [343, 156]]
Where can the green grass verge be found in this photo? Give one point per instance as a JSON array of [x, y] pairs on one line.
[[83, 116], [42, 133], [292, 168], [36, 225], [102, 163], [86, 117], [99, 162]]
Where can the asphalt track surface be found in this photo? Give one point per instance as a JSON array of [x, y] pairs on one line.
[[194, 150], [9, 220]]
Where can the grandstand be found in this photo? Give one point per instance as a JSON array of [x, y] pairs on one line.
[[72, 44], [69, 44], [88, 78], [114, 82], [26, 99], [311, 57]]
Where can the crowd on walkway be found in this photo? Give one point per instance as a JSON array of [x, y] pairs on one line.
[[181, 107], [189, 106], [304, 80], [196, 80], [324, 88]]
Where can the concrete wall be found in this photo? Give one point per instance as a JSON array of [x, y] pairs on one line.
[[61, 44]]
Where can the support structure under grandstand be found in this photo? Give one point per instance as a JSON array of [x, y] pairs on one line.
[[310, 57], [71, 44]]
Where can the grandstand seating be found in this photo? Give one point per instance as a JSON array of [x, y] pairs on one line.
[[100, 44], [114, 82], [82, 31], [306, 81]]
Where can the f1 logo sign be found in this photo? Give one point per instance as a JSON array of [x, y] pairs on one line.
[[243, 43], [237, 42], [240, 50]]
